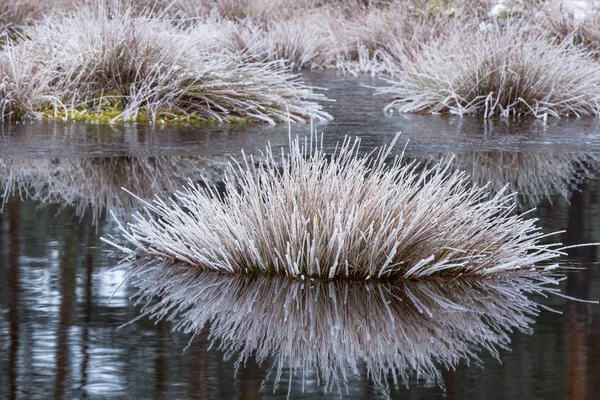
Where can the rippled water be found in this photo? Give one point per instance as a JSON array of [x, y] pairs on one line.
[[62, 301]]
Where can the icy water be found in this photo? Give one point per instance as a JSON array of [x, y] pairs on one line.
[[63, 304]]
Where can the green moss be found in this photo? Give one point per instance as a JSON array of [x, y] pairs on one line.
[[102, 116], [437, 8], [108, 110]]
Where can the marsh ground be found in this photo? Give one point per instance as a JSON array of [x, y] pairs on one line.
[[61, 303]]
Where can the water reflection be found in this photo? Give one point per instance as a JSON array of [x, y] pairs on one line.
[[99, 360], [356, 111], [579, 321], [95, 184], [326, 333], [533, 176], [13, 295]]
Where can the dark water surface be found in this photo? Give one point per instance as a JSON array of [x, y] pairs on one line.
[[62, 301], [355, 110]]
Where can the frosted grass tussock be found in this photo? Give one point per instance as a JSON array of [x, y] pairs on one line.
[[338, 216], [497, 70], [14, 14], [287, 42], [305, 333], [584, 31], [108, 60]]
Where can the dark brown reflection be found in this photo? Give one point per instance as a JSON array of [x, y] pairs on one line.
[[452, 381], [87, 310], [160, 362], [301, 332], [199, 388], [579, 318], [96, 184], [534, 176], [68, 270], [250, 380], [14, 251]]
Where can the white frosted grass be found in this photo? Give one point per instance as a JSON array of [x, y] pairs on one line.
[[332, 332], [109, 54], [509, 70], [339, 215], [584, 31], [14, 14], [287, 42], [354, 36]]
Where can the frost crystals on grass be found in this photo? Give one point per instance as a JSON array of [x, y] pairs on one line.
[[339, 215]]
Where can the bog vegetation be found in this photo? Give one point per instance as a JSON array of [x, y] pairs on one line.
[[340, 215], [232, 61]]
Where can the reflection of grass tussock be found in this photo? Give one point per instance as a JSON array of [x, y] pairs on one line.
[[94, 184], [532, 176], [335, 330], [347, 216], [108, 60], [498, 71]]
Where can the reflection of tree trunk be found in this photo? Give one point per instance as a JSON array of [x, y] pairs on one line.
[[14, 249], [68, 268], [199, 367], [452, 384], [160, 362], [578, 286], [576, 359], [89, 270], [249, 381]]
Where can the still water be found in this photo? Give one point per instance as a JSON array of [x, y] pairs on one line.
[[70, 327]]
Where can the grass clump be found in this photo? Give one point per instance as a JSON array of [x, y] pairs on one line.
[[153, 69], [338, 216], [583, 31], [15, 14], [495, 70]]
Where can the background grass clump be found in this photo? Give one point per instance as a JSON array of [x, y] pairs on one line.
[[188, 60], [148, 68], [498, 70]]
